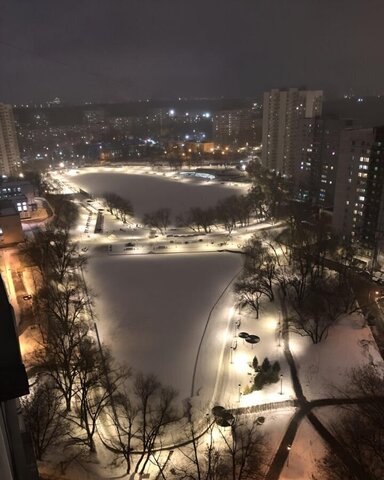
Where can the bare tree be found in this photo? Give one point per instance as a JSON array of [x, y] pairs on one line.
[[240, 455], [96, 383], [156, 411], [360, 429], [43, 418], [64, 331], [246, 448], [118, 206], [53, 252], [143, 409], [249, 291], [319, 309], [159, 220]]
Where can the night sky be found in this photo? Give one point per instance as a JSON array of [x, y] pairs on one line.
[[111, 50]]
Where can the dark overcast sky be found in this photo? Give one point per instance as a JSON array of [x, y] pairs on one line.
[[122, 49]]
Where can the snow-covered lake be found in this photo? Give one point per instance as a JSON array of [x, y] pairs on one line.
[[152, 311], [150, 192]]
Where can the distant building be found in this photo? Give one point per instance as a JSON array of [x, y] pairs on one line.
[[282, 111], [11, 231], [17, 461], [9, 148], [21, 193], [234, 127]]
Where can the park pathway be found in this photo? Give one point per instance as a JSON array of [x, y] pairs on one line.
[[305, 410]]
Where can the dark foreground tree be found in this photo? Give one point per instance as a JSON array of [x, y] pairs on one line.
[[43, 418], [143, 410], [240, 455], [63, 332], [317, 311], [360, 429]]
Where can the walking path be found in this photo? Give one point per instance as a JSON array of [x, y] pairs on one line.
[[305, 410]]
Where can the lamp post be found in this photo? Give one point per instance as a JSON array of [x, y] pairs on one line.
[[239, 392], [281, 384], [288, 450], [231, 355]]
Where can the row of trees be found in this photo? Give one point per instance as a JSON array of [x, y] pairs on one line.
[[295, 261], [118, 206]]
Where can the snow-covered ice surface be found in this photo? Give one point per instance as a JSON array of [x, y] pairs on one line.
[[150, 192], [152, 311], [324, 368]]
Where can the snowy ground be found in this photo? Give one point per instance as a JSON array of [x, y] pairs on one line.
[[306, 449], [240, 372], [152, 312], [323, 368]]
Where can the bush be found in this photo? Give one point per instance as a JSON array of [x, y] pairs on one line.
[[266, 365], [267, 375], [255, 363], [259, 381]]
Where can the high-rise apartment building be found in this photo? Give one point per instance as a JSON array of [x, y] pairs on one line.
[[317, 158], [282, 112], [359, 203], [9, 148], [234, 127]]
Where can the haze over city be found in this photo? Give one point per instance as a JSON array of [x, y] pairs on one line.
[[93, 50], [191, 240]]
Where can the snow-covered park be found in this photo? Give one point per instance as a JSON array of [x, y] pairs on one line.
[[173, 315]]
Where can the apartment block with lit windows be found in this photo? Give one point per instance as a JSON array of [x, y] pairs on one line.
[[358, 204], [282, 112], [9, 148], [317, 158]]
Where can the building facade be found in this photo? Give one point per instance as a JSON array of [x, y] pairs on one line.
[[351, 189], [11, 231], [9, 148], [21, 193], [317, 158], [235, 128], [282, 112]]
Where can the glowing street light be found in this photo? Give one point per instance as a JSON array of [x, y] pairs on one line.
[[288, 450]]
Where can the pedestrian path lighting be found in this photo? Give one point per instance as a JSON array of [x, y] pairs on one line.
[[288, 450], [281, 384]]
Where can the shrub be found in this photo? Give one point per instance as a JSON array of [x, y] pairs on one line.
[[268, 374], [255, 363], [266, 365]]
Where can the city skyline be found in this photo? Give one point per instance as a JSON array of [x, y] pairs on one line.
[[99, 51]]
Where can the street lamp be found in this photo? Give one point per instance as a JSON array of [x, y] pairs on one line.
[[231, 355], [281, 384], [239, 392], [288, 450]]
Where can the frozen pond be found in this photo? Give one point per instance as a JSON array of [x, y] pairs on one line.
[[149, 192], [152, 311]]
